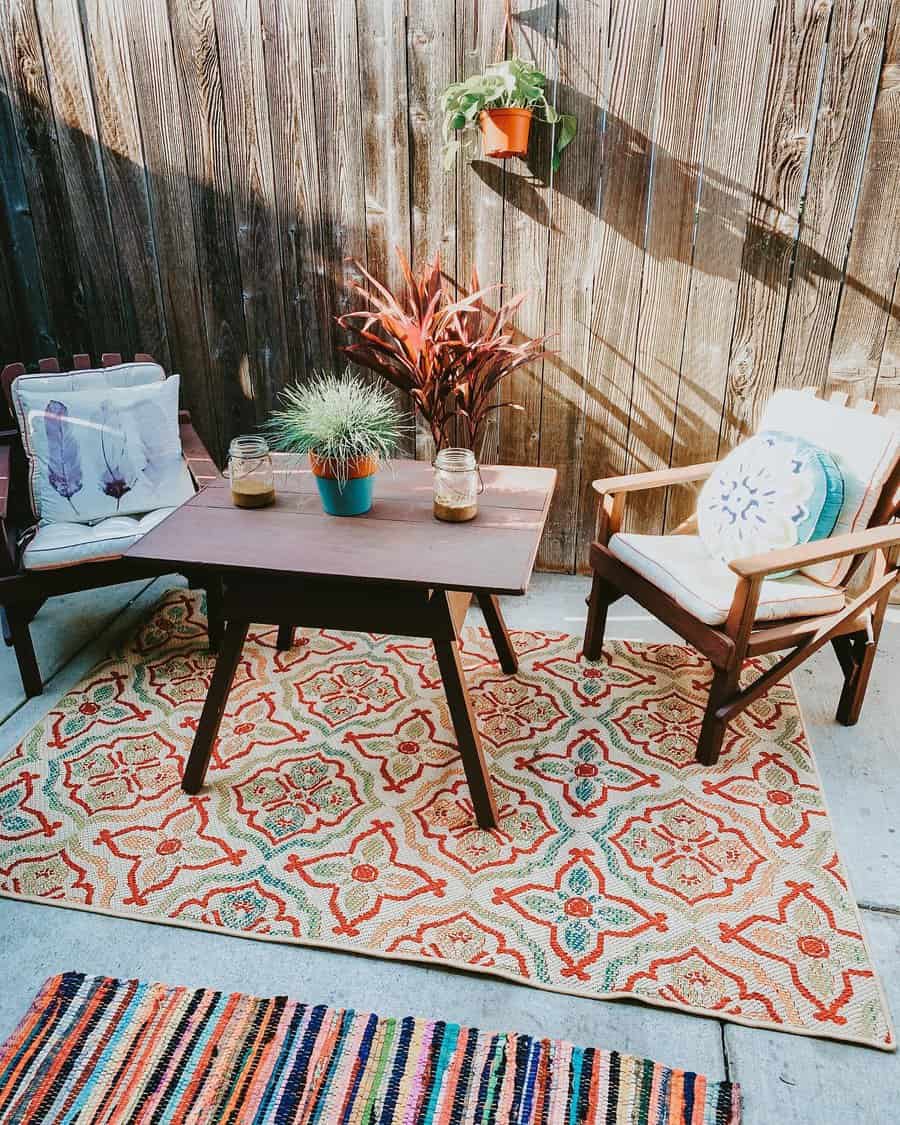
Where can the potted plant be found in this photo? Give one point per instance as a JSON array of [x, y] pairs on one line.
[[346, 427], [445, 349], [501, 102]]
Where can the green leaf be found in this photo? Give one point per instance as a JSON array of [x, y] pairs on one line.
[[565, 134]]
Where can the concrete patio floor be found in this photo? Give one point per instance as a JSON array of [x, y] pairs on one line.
[[786, 1078]]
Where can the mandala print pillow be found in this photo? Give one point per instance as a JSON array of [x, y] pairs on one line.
[[773, 491]]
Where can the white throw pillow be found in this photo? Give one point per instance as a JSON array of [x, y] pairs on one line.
[[865, 446], [97, 450], [773, 491]]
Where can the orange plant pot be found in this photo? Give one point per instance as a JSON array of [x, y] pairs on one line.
[[504, 132], [356, 467]]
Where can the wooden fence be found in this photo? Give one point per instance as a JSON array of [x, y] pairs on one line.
[[190, 178]]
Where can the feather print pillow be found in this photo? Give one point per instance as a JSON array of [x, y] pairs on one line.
[[103, 450]]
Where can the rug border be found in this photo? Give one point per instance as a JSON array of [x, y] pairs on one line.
[[766, 1025]]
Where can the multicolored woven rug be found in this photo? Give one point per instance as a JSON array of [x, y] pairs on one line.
[[99, 1050], [337, 813]]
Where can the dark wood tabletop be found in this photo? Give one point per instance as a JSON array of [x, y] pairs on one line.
[[397, 541]]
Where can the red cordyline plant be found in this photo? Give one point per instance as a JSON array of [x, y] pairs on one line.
[[448, 351]]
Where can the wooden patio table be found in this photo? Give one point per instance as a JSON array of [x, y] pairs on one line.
[[395, 570]]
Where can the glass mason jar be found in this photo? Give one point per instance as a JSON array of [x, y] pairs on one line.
[[457, 484], [250, 472]]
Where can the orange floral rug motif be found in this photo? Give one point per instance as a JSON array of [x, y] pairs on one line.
[[336, 813]]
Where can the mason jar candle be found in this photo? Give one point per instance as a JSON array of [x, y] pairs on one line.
[[250, 472], [456, 485]]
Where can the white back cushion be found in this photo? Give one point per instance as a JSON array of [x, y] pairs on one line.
[[866, 448], [101, 443], [120, 375]]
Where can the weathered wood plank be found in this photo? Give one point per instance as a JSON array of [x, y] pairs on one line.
[[688, 53], [527, 214], [431, 66], [631, 92], [855, 48], [119, 135], [480, 182], [384, 82], [573, 260], [792, 99], [209, 182], [865, 310], [35, 148], [239, 27], [162, 135], [23, 303], [338, 125], [71, 103], [736, 107], [298, 190]]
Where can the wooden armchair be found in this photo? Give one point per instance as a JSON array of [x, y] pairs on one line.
[[852, 622], [23, 591]]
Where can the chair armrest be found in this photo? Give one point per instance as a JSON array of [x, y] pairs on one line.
[[200, 464], [640, 482], [820, 551]]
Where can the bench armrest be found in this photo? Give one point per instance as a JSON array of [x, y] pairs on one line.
[[820, 551], [640, 482], [199, 462]]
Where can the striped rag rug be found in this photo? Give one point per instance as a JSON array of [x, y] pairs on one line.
[[98, 1050]]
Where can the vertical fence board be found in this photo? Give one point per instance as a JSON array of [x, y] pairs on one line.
[[631, 92], [76, 128], [573, 258], [24, 315], [209, 180], [687, 61], [119, 136], [431, 66], [162, 134], [42, 264], [239, 26], [385, 147], [527, 215], [792, 98], [479, 245], [855, 48], [743, 55], [298, 192], [335, 73], [864, 313]]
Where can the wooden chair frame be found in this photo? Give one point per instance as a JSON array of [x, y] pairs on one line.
[[853, 632], [23, 592]]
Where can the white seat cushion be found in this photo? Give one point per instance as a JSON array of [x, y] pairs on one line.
[[682, 567], [62, 544]]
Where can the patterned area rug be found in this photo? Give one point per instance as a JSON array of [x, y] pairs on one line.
[[99, 1050], [336, 813]]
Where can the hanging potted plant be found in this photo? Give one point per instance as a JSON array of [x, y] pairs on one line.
[[501, 103], [347, 427]]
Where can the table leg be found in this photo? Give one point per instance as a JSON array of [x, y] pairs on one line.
[[490, 607], [285, 639], [463, 717], [213, 708]]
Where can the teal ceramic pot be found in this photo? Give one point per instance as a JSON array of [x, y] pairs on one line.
[[353, 498], [353, 495]]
